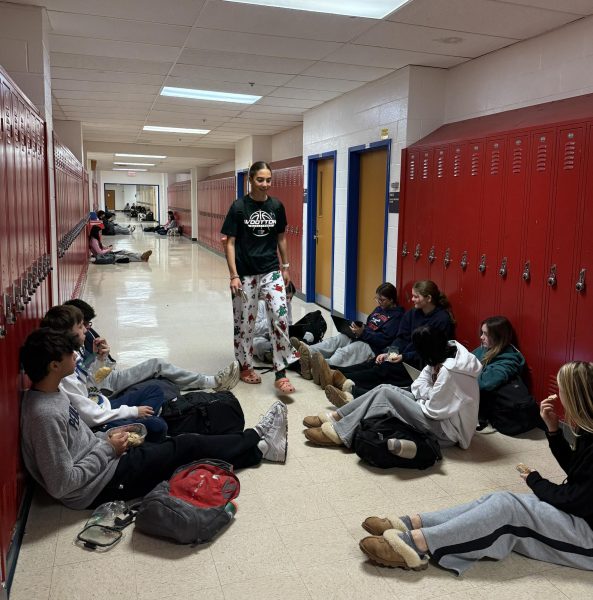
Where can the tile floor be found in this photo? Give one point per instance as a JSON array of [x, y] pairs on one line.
[[296, 532]]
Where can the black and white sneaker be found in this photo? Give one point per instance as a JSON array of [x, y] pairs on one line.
[[273, 429]]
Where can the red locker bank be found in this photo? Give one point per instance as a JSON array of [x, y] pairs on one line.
[[497, 211]]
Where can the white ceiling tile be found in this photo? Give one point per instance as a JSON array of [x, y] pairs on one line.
[[482, 16], [118, 29], [323, 83], [105, 63], [264, 43], [106, 88], [182, 75], [288, 102], [292, 92], [106, 76], [577, 7], [115, 49], [82, 95], [431, 39], [282, 22], [339, 71], [389, 57], [252, 62]]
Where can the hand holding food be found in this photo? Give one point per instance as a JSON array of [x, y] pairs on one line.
[[547, 411], [101, 373], [394, 357], [524, 470]]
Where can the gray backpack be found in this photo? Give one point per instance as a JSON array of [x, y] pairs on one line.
[[192, 506]]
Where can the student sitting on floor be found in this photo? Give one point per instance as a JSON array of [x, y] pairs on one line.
[[444, 399], [110, 227], [554, 524], [70, 318], [105, 254], [340, 351], [82, 469]]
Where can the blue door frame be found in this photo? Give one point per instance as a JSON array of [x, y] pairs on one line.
[[241, 176], [352, 218], [312, 222]]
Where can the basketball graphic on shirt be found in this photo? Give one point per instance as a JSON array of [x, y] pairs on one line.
[[261, 223]]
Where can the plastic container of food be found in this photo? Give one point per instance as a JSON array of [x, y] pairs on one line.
[[137, 433]]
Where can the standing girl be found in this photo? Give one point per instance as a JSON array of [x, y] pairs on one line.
[[254, 227]]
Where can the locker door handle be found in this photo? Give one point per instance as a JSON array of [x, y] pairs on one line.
[[526, 271], [463, 263], [552, 280], [503, 268], [431, 255], [9, 318], [405, 250], [482, 265], [447, 260], [417, 253], [580, 285]]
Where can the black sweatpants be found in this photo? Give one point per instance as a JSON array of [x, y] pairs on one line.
[[141, 469], [369, 375]]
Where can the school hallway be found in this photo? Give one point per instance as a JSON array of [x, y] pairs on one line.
[[296, 532]]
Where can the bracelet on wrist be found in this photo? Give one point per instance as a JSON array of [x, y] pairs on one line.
[[235, 277], [286, 265]]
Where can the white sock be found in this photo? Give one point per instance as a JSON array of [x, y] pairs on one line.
[[263, 446], [211, 381], [402, 448]]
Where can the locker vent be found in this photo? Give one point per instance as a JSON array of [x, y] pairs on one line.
[[475, 164], [457, 164], [425, 167], [517, 159], [441, 165], [569, 155], [541, 161], [495, 162], [412, 172]]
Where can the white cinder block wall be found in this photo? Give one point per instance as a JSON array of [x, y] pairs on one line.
[[414, 101]]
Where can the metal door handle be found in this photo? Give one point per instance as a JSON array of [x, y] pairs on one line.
[[552, 280], [431, 255], [503, 268], [580, 285], [405, 250], [447, 260], [464, 261], [482, 265], [417, 252], [526, 271]]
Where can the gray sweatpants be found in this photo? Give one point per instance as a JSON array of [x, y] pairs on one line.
[[386, 400], [119, 380], [340, 351], [504, 522]]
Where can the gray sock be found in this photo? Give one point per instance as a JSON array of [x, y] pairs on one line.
[[408, 539], [407, 522]]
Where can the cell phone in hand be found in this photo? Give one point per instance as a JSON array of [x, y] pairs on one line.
[[523, 469]]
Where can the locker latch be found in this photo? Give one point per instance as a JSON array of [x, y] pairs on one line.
[[463, 262], [552, 276], [431, 255], [580, 286], [9, 317], [482, 265], [417, 252], [447, 260], [526, 272], [503, 267], [405, 250]]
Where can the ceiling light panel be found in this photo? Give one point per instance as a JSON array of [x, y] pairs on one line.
[[139, 155], [134, 164], [375, 9], [209, 95], [129, 170], [160, 129]]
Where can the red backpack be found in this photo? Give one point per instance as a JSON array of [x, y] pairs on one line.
[[193, 506]]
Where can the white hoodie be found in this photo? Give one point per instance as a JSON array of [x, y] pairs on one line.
[[454, 398]]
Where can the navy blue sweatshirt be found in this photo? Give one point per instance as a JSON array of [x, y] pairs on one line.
[[382, 327]]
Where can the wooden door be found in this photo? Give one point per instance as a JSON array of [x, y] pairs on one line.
[[324, 232], [110, 200], [371, 228]]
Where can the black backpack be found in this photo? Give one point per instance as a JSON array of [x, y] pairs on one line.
[[511, 409], [211, 413], [314, 323], [370, 443]]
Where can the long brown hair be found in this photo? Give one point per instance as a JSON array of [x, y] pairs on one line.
[[501, 334], [575, 380], [426, 287]]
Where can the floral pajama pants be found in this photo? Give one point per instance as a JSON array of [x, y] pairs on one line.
[[269, 288]]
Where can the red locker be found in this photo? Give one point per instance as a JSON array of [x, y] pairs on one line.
[[409, 214]]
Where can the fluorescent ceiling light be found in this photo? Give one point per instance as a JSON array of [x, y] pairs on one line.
[[134, 170], [371, 9], [209, 95], [175, 129], [140, 155], [135, 164]]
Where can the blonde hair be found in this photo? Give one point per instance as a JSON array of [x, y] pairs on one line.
[[575, 381]]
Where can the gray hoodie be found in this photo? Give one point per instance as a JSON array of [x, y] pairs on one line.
[[61, 452]]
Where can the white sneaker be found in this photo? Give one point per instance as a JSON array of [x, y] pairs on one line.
[[273, 429], [227, 378]]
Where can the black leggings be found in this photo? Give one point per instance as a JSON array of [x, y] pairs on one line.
[[141, 469], [369, 375]]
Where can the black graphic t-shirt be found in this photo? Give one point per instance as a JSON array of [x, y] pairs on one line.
[[255, 227]]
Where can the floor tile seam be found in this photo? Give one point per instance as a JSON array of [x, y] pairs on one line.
[[545, 576]]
